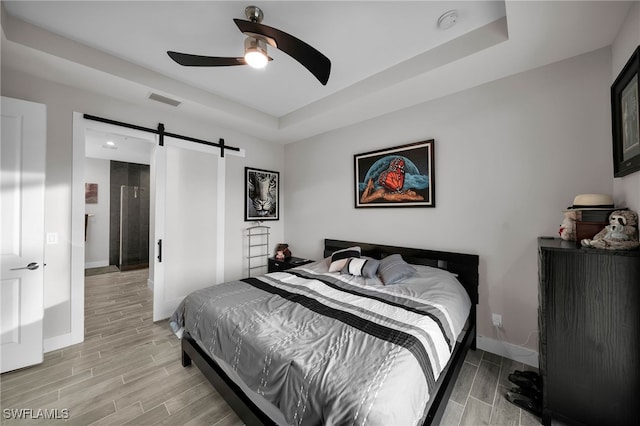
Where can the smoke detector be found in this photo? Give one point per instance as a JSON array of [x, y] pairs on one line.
[[448, 19]]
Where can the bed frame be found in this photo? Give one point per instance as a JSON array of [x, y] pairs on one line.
[[464, 265]]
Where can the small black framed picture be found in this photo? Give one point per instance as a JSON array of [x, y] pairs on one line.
[[625, 120], [262, 195]]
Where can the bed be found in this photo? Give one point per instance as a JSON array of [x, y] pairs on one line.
[[316, 345]]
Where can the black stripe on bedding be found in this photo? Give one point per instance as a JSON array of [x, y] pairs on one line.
[[358, 292], [409, 342]]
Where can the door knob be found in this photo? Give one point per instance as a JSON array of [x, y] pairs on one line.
[[32, 267]]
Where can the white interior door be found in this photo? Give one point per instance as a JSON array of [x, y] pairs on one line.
[[22, 156], [188, 217]]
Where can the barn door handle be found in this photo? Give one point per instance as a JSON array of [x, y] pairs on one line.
[[160, 251], [32, 267]]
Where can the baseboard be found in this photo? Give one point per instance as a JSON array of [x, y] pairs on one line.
[[508, 350], [150, 284], [96, 264], [59, 342]]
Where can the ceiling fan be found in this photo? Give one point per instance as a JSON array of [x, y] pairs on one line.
[[255, 49]]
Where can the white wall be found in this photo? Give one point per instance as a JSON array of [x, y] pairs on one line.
[[509, 157], [96, 249], [61, 102], [626, 189]]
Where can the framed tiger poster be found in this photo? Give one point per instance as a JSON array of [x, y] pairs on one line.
[[402, 176], [262, 195]]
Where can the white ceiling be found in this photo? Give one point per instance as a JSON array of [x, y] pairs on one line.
[[385, 55], [108, 145]]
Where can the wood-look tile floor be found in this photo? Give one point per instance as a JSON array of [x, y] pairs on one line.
[[478, 397], [128, 371]]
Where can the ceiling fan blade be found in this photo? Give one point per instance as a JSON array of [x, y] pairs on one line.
[[189, 60], [318, 64]]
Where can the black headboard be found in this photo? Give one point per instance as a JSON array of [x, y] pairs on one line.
[[465, 266]]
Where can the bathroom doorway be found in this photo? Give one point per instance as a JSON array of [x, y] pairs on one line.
[[129, 218], [117, 211]]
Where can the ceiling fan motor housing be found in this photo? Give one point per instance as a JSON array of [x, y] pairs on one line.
[[254, 14], [253, 43]]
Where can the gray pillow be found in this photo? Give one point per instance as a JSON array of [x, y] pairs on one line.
[[393, 268], [364, 266]]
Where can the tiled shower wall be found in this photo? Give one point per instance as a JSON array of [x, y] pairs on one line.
[[129, 174]]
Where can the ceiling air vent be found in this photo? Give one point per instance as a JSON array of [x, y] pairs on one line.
[[164, 99]]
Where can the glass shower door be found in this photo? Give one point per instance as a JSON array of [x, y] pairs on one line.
[[134, 227]]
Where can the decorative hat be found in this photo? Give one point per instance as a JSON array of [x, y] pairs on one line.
[[592, 202]]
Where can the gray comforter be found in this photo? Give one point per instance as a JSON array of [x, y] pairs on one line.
[[326, 348]]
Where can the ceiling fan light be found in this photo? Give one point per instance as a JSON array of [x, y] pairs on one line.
[[255, 52], [255, 59]]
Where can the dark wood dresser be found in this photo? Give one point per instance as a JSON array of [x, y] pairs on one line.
[[589, 322]]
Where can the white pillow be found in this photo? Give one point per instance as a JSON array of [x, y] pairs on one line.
[[340, 258]]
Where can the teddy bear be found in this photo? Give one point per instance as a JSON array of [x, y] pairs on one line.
[[567, 229], [620, 234], [282, 251]]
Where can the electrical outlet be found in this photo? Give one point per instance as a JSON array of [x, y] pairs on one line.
[[497, 320]]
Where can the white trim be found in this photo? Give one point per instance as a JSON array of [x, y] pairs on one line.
[[508, 350], [58, 342], [77, 237]]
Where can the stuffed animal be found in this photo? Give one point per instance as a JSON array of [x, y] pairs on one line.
[[620, 234], [282, 251], [615, 232], [567, 229]]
